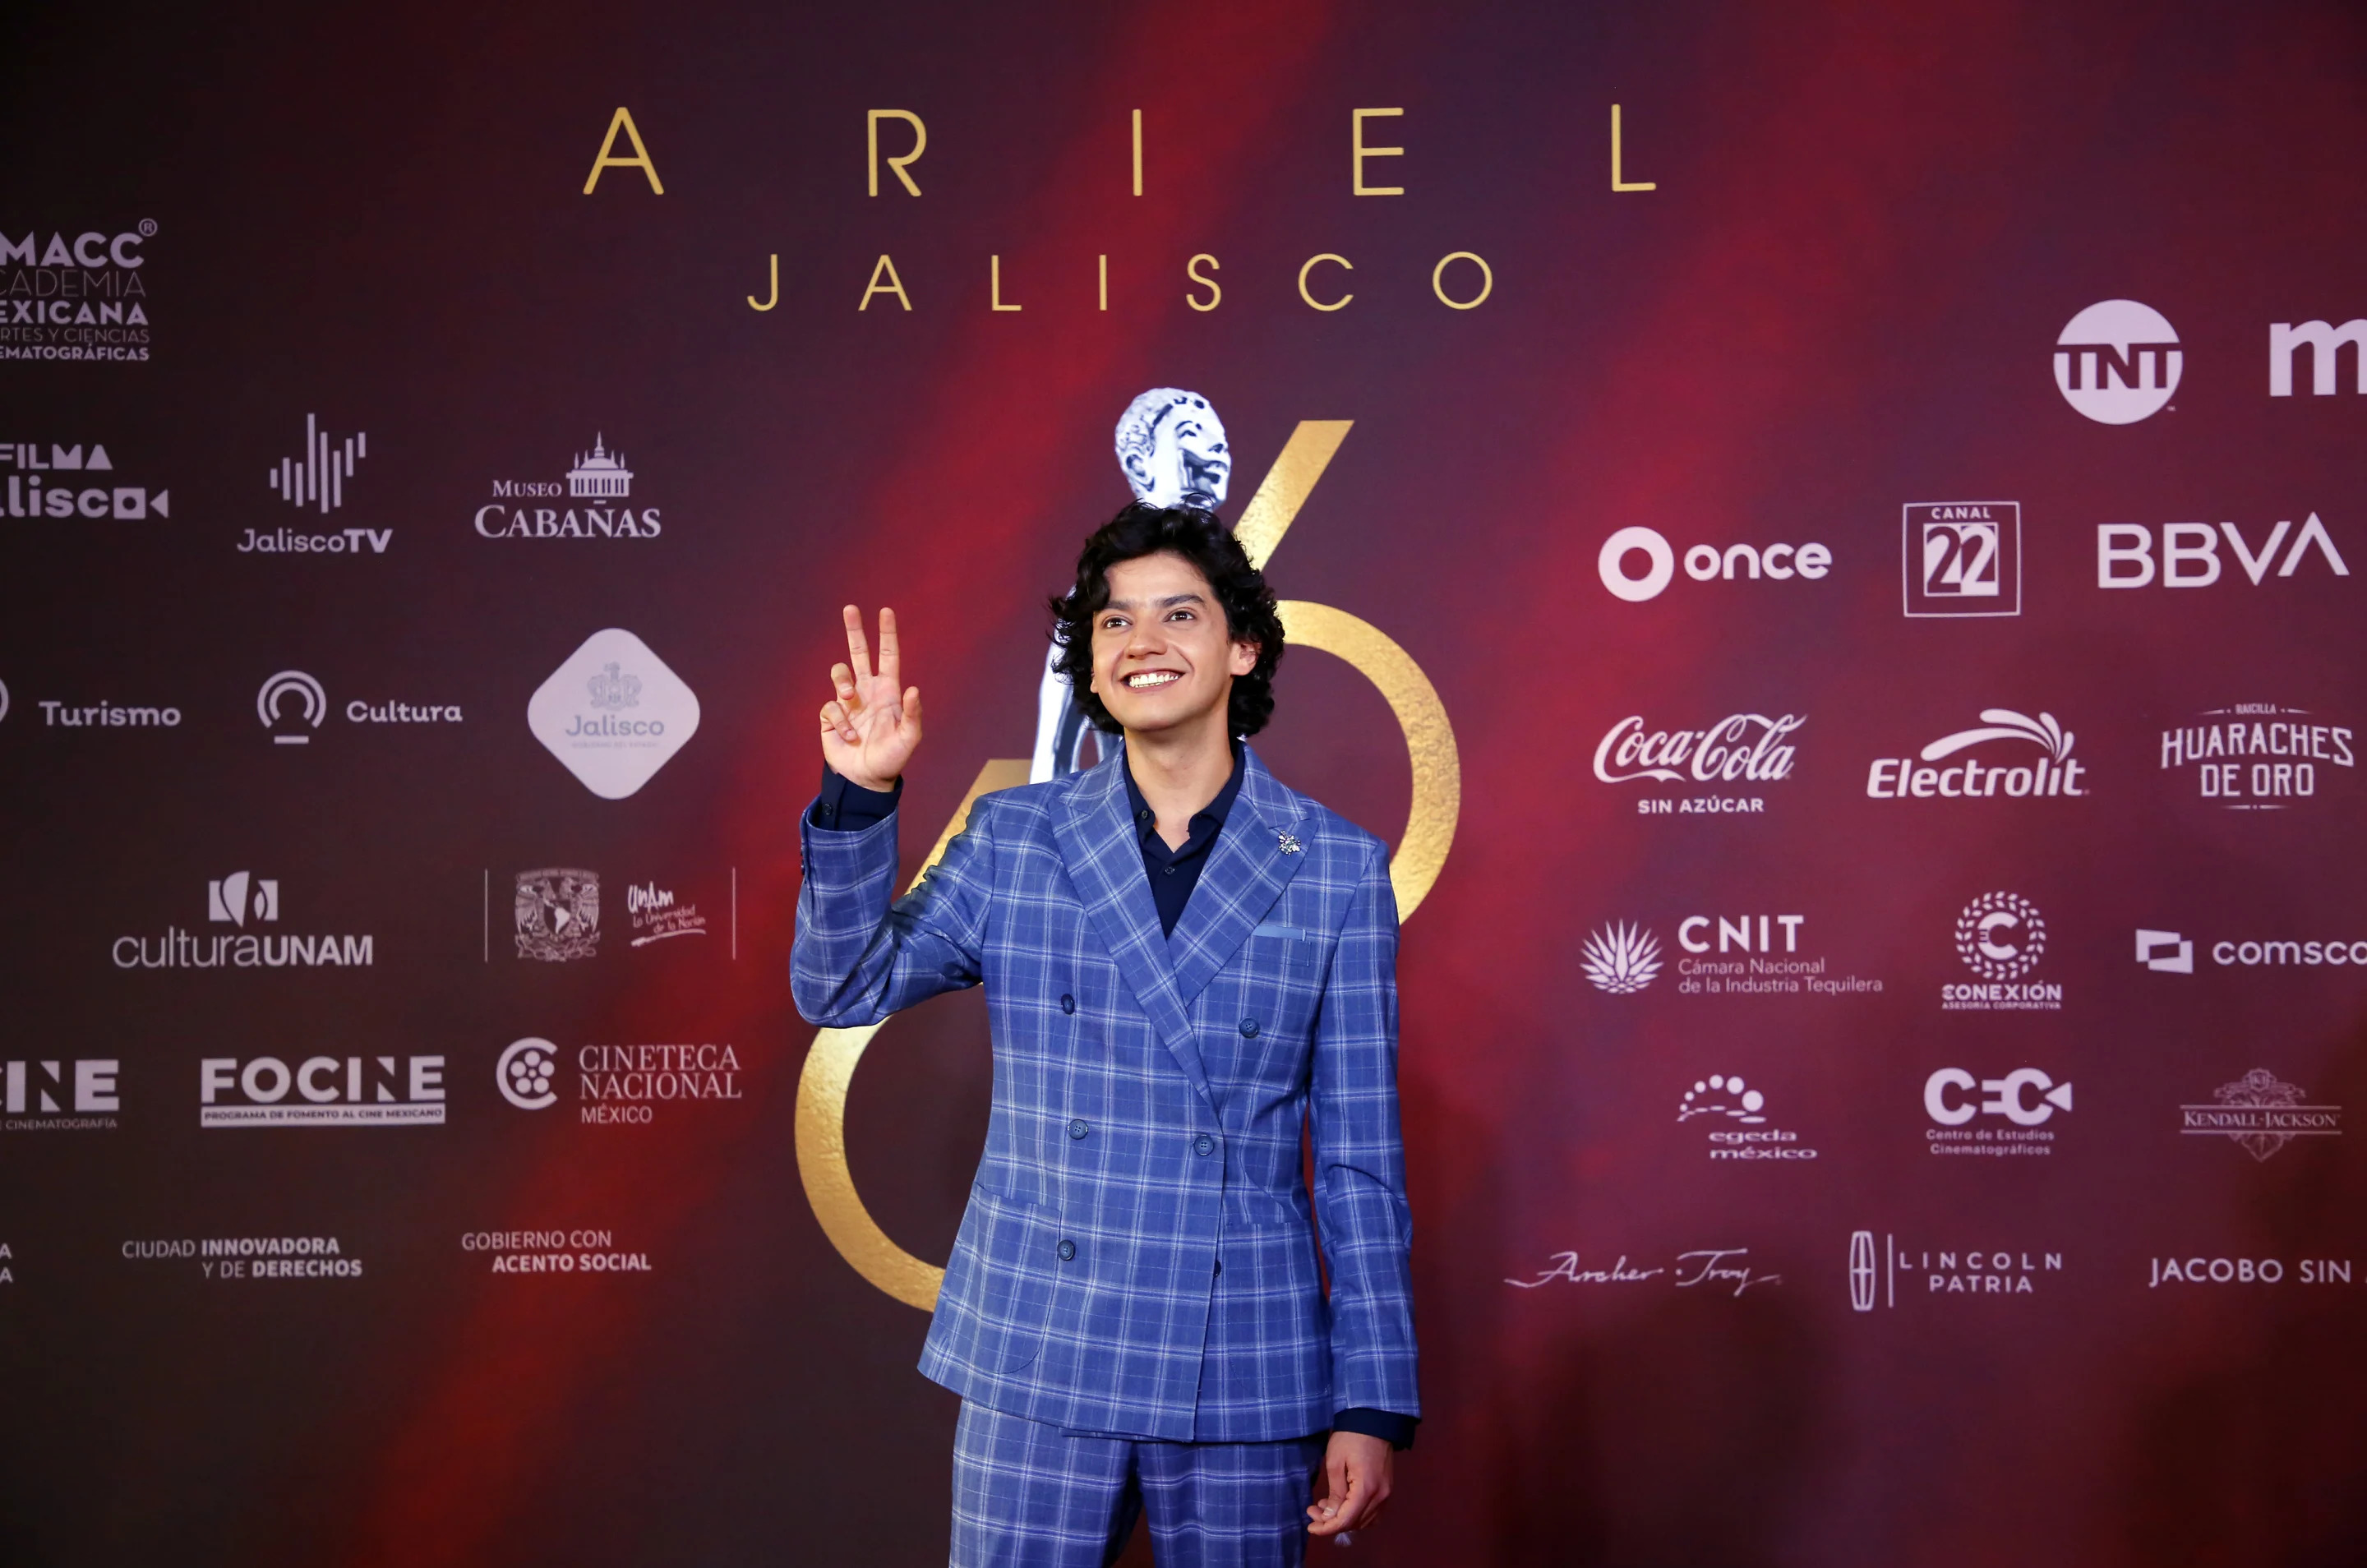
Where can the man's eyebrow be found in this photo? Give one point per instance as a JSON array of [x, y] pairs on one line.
[[1194, 598]]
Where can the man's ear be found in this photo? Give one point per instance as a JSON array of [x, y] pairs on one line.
[[1245, 657]]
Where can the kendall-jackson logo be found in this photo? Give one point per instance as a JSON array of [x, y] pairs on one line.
[[79, 297], [63, 1096], [49, 481], [2025, 1099], [2001, 937], [2259, 1113], [613, 714], [2167, 952], [585, 506], [2054, 772], [237, 900], [291, 704], [1748, 955], [1962, 558], [330, 1092], [1877, 1269], [617, 1085], [1744, 747], [1737, 1121], [2255, 756], [1703, 563]]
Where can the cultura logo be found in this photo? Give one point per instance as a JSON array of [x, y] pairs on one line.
[[2118, 362], [1962, 558], [1703, 563], [2056, 773], [1621, 959], [311, 707]]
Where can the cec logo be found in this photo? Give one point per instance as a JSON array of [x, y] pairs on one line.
[[2025, 1097], [2118, 362], [1962, 558]]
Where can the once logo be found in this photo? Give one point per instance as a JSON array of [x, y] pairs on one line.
[[2190, 553], [311, 706], [2055, 773], [2118, 362], [1702, 562], [1962, 558], [525, 1072], [1621, 959], [2025, 1097], [2001, 936]]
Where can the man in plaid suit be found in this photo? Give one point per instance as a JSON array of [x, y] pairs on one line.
[[1185, 962]]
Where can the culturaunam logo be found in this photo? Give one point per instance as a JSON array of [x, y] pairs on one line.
[[2118, 362], [2054, 773]]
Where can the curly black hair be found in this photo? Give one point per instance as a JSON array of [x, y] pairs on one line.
[[1146, 530]]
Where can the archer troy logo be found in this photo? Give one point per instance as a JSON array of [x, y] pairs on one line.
[[1962, 558], [2259, 1113], [2118, 362], [558, 913], [1621, 959]]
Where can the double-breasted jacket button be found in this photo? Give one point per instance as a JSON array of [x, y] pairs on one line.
[[1068, 1250], [1077, 1128], [1249, 1029], [1204, 1145], [1220, 1265], [1068, 1003]]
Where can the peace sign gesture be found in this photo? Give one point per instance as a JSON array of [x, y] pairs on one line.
[[870, 729]]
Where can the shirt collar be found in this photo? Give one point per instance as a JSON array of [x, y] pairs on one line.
[[1214, 813]]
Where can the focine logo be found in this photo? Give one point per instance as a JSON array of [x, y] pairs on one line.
[[331, 1091], [613, 714], [2118, 362], [2056, 773], [1962, 558], [1703, 563]]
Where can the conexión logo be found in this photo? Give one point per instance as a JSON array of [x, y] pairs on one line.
[[613, 714], [2118, 362], [1962, 558], [2001, 938], [1703, 563]]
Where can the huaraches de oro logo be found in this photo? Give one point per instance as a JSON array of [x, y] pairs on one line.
[[1421, 854]]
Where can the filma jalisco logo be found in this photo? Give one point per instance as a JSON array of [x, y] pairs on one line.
[[1703, 563], [1740, 955], [2001, 937], [2257, 756], [2054, 773], [1740, 749], [53, 481], [245, 904], [2118, 362], [613, 714], [591, 503], [1961, 557], [291, 706], [78, 297], [2001, 1117]]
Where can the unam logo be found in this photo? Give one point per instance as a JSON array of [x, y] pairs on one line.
[[2001, 937], [2118, 362], [1622, 959]]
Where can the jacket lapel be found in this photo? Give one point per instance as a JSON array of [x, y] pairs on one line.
[[1246, 873], [1105, 861]]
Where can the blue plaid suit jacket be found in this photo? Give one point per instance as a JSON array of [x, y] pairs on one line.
[[1139, 1257]]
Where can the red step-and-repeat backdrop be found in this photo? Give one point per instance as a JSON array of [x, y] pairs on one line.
[[1830, 538]]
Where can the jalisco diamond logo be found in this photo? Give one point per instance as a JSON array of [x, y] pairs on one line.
[[613, 714]]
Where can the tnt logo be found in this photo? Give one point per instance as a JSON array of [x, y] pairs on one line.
[[2118, 362], [1962, 558]]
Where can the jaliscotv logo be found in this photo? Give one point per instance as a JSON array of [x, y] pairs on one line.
[[1995, 1118], [2118, 362], [293, 705], [2259, 756], [613, 714], [617, 1086], [590, 503], [315, 479], [1703, 563], [2001, 937], [320, 1091], [1880, 1268], [75, 297], [2190, 557], [54, 480], [247, 904], [2259, 1113], [1735, 1122], [59, 1096], [1961, 557], [1740, 955], [2055, 773], [1741, 749]]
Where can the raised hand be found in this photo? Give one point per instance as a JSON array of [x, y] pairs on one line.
[[870, 729]]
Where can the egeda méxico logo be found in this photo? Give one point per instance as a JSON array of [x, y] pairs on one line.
[[1649, 548], [2000, 769]]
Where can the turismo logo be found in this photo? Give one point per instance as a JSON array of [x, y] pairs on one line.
[[2118, 362], [613, 714], [1703, 563], [2054, 773], [2025, 1099], [1735, 1122], [1962, 558], [2322, 339], [52, 481], [1740, 749], [558, 914], [1880, 1267], [1719, 955], [60, 1096], [2169, 952], [104, 714], [76, 296], [247, 904], [2001, 937], [2190, 553], [328, 1091], [2257, 756], [586, 505], [2259, 1113], [617, 1086]]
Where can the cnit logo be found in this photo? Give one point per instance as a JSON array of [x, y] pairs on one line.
[[2190, 553], [2118, 362], [1702, 562]]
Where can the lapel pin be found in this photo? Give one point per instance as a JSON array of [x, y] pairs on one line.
[[1290, 845]]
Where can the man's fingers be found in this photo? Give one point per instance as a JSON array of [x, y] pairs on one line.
[[842, 681], [858, 652], [834, 717], [891, 655], [913, 713]]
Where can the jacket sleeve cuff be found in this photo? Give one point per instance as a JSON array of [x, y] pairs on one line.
[[847, 807], [1388, 1425]]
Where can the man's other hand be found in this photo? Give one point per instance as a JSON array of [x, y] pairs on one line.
[[1356, 1468]]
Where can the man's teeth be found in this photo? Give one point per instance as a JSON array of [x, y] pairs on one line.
[[1151, 678]]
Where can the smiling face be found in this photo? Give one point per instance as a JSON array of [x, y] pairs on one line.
[[1164, 658]]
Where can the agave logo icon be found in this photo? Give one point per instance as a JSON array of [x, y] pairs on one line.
[[1622, 959], [311, 706], [2118, 362]]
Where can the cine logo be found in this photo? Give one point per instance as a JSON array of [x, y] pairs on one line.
[[1430, 832]]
